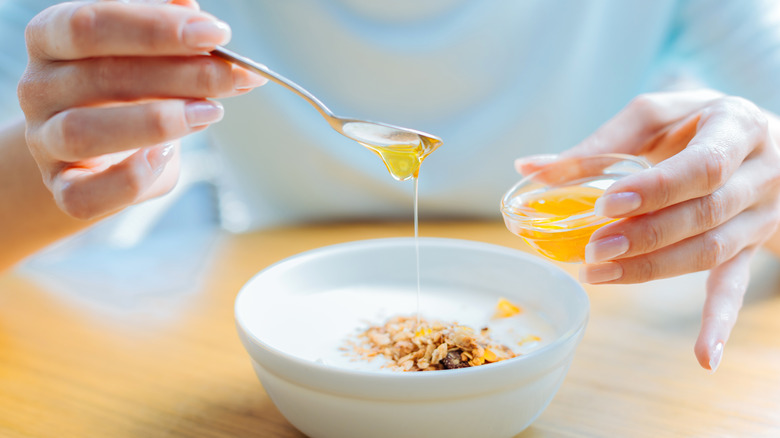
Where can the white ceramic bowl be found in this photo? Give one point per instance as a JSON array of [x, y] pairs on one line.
[[293, 315]]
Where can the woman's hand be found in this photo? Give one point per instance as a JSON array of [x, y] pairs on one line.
[[110, 88], [709, 202]]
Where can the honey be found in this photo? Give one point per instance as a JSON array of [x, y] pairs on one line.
[[558, 221], [403, 160], [552, 209]]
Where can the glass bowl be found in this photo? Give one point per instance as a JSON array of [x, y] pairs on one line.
[[552, 208]]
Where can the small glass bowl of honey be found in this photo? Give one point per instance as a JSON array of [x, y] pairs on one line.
[[552, 208]]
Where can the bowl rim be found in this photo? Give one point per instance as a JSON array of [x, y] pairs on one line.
[[574, 329], [528, 223]]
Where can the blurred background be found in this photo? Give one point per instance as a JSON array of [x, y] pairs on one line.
[[496, 80]]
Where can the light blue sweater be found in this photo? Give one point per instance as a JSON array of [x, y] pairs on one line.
[[496, 80]]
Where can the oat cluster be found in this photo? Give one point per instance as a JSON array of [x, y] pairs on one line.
[[409, 345]]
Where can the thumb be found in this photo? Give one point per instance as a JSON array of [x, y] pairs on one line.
[[632, 129], [186, 3], [639, 122]]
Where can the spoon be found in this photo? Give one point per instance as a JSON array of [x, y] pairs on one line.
[[401, 149], [363, 131]]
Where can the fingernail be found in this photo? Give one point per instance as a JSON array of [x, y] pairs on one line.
[[200, 112], [535, 161], [245, 80], [606, 249], [716, 354], [159, 156], [601, 273], [617, 204], [205, 34]]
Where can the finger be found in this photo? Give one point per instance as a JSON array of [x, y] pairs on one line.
[[556, 169], [186, 3], [594, 170], [726, 286], [81, 30], [649, 232], [728, 132], [553, 169], [530, 164], [170, 159], [101, 80], [87, 193], [699, 253], [640, 121], [81, 133]]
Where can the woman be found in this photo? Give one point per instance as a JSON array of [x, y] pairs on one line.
[[110, 88]]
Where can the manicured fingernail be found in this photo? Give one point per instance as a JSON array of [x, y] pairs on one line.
[[205, 34], [716, 354], [601, 273], [245, 80], [534, 161], [159, 156], [537, 159], [617, 204], [606, 249], [200, 112]]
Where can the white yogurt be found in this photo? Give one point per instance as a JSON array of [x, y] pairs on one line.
[[319, 324]]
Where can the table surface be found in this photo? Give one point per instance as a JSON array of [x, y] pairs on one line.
[[177, 369]]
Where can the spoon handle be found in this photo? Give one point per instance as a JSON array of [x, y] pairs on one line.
[[264, 71]]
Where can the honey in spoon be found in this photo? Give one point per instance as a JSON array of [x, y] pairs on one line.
[[403, 160]]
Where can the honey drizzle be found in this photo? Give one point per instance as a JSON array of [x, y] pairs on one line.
[[403, 162], [417, 244]]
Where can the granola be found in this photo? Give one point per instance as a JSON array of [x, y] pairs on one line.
[[410, 344]]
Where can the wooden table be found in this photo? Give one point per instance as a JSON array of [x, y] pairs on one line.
[[178, 369]]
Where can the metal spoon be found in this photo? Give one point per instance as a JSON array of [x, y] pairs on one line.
[[363, 131]]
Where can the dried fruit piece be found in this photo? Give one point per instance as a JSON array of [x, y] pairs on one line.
[[529, 338], [505, 309], [453, 360], [423, 331]]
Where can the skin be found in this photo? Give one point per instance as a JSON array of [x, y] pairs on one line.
[[110, 87], [709, 202], [108, 91]]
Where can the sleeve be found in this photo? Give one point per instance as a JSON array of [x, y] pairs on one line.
[[14, 16], [732, 46]]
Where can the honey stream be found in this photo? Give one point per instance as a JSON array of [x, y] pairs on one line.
[[403, 162]]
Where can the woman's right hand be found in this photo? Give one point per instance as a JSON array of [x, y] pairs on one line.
[[109, 89]]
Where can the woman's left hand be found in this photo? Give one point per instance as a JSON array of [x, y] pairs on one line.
[[709, 202]]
